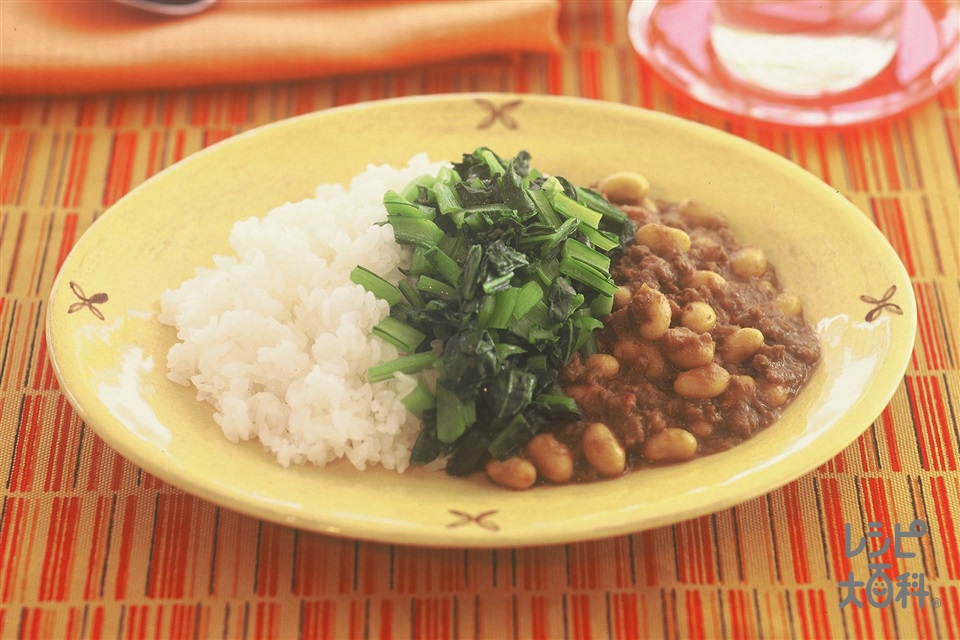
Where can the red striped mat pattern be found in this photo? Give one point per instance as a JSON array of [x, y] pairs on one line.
[[93, 547]]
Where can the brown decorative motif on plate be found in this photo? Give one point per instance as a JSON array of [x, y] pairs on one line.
[[882, 304], [500, 113], [480, 519], [89, 303]]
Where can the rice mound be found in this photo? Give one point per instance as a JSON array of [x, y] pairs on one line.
[[278, 339]]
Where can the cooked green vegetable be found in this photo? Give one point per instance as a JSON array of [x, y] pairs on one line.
[[399, 334], [404, 364], [420, 400], [510, 272], [376, 285]]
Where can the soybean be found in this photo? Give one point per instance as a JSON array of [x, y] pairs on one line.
[[662, 239], [551, 457], [749, 261], [789, 304], [625, 187], [602, 450], [709, 279], [688, 349], [742, 344], [657, 313], [708, 381], [699, 214], [698, 316], [603, 364], [670, 445], [513, 473]]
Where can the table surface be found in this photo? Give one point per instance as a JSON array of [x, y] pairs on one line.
[[91, 546]]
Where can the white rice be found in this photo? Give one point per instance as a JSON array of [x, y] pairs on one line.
[[278, 339]]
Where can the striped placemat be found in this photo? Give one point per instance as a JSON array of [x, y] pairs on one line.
[[91, 546]]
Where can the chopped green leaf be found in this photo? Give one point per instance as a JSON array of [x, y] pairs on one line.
[[561, 300], [453, 415], [603, 240], [578, 251], [588, 275], [397, 205], [404, 364], [375, 285], [506, 301], [419, 400], [512, 438], [411, 294], [399, 334], [412, 190], [418, 231], [510, 392], [444, 264], [557, 402], [434, 287], [570, 208], [515, 195], [530, 294], [490, 159], [601, 205], [447, 200], [469, 360], [602, 304], [544, 208]]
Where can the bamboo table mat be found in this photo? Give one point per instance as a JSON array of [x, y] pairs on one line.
[[93, 547]]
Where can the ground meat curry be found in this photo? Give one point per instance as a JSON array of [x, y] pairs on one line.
[[703, 350]]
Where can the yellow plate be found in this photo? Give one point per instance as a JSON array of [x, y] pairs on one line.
[[109, 351]]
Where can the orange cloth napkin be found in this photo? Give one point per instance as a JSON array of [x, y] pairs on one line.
[[99, 45]]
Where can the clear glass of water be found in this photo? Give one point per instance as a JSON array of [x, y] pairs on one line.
[[811, 63], [805, 48]]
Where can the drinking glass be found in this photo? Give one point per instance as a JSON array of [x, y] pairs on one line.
[[802, 62], [805, 48]]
